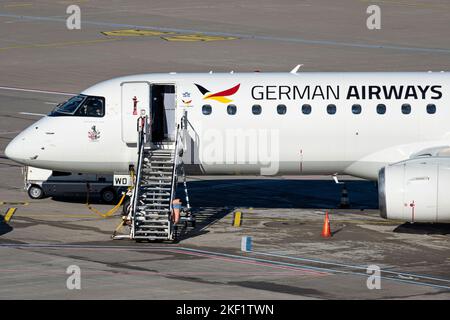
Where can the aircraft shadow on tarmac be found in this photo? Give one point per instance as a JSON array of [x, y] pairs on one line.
[[79, 198], [280, 193], [423, 228], [212, 200], [264, 193], [4, 227]]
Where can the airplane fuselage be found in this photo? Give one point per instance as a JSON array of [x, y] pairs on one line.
[[253, 123]]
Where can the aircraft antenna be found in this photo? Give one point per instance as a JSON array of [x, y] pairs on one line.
[[296, 68]]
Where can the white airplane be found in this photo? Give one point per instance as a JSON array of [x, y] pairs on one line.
[[390, 127]]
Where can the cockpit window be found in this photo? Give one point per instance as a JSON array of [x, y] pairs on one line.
[[81, 106], [91, 107], [70, 106]]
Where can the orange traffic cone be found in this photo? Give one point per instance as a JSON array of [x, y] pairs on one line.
[[326, 231]]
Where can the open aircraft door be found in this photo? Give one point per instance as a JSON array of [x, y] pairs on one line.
[[135, 102]]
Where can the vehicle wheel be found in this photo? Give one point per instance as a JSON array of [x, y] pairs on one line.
[[35, 192], [108, 195], [125, 205]]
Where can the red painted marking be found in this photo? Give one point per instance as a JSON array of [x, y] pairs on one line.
[[135, 101], [413, 206], [227, 92]]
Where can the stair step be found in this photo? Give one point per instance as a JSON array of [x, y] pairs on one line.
[[160, 154], [153, 194], [161, 233], [144, 210], [156, 197], [151, 172], [145, 201], [153, 228], [162, 221], [155, 184], [159, 166], [152, 205], [156, 217], [151, 238], [169, 161], [156, 214], [153, 188], [158, 206], [156, 173]]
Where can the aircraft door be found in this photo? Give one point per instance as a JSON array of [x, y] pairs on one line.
[[163, 106], [135, 102]]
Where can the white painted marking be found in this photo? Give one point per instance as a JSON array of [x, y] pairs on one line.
[[52, 103], [38, 91], [9, 132], [33, 114]]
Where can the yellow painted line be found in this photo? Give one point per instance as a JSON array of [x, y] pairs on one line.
[[237, 219], [15, 203], [135, 33], [9, 214], [168, 36], [196, 37], [57, 44]]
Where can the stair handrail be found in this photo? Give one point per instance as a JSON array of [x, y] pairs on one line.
[[178, 140], [175, 160], [141, 126]]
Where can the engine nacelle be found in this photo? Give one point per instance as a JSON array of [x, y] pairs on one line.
[[416, 190]]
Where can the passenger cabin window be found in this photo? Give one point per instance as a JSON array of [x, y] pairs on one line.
[[231, 109], [81, 106], [306, 109], [356, 109], [206, 109], [431, 108], [256, 109], [381, 108], [331, 109], [406, 108], [92, 107], [281, 109]]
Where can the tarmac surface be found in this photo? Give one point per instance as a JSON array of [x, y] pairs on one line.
[[41, 61]]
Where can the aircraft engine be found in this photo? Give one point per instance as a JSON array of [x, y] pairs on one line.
[[416, 190]]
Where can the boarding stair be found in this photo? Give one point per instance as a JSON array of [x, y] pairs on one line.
[[158, 169]]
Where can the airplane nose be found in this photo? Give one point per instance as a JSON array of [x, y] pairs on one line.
[[11, 151], [15, 150]]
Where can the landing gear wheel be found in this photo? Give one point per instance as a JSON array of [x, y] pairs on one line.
[[35, 192], [108, 195]]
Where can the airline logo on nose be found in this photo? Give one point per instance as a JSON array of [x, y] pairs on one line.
[[221, 96]]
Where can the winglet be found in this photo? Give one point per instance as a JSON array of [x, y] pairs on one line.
[[296, 68]]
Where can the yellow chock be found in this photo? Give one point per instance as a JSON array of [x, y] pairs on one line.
[[9, 213], [237, 219]]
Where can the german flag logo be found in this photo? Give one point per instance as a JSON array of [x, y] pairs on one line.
[[221, 96]]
